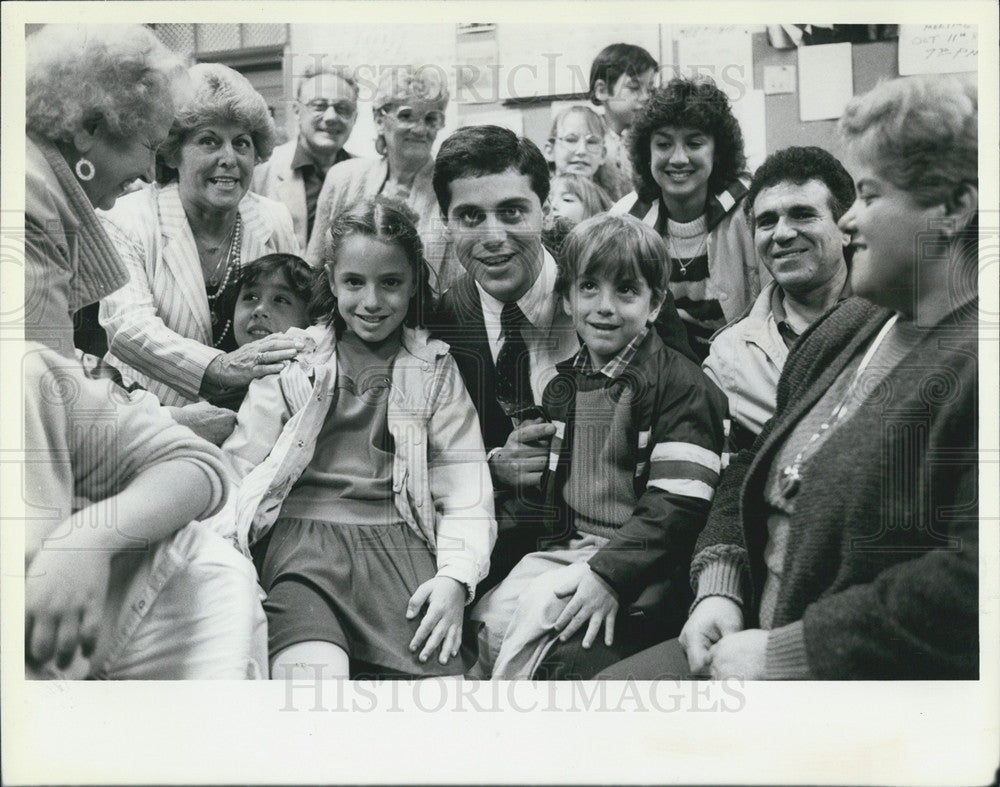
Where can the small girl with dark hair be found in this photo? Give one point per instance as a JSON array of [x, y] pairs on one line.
[[270, 296], [687, 152], [363, 461]]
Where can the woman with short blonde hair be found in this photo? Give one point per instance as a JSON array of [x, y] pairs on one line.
[[409, 106], [185, 241]]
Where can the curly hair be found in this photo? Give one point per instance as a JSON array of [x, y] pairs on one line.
[[921, 133], [221, 95], [120, 76], [399, 84], [386, 220], [799, 165], [688, 103]]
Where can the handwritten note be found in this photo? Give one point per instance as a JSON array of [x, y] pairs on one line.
[[938, 49]]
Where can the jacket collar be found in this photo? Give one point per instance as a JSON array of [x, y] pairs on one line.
[[416, 341], [180, 253], [99, 271], [717, 208]]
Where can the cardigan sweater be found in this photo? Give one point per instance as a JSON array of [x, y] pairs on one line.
[[880, 578]]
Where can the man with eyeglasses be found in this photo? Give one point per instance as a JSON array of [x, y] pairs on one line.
[[326, 106]]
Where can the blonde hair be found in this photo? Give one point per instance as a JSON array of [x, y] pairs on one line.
[[606, 176], [921, 133], [399, 84], [220, 95], [593, 198]]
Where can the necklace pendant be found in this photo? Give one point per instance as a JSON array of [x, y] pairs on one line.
[[788, 482]]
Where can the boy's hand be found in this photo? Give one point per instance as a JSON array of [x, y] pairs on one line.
[[442, 623], [64, 594], [593, 602], [523, 457]]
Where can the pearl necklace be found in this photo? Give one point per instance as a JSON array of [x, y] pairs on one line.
[[790, 477], [232, 263]]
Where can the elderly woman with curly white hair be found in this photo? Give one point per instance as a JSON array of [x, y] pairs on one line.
[[184, 241], [119, 581], [409, 106]]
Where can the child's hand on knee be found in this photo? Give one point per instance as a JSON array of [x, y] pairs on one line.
[[442, 623], [593, 602]]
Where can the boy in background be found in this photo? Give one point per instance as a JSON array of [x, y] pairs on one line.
[[621, 78]]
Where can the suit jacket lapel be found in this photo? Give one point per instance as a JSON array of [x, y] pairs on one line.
[[180, 255], [257, 230]]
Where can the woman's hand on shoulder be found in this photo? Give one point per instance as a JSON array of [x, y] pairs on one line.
[[257, 359], [442, 623]]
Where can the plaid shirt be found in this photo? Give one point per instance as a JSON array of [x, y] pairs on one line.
[[614, 367]]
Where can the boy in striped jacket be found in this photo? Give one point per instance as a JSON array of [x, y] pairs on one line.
[[632, 470]]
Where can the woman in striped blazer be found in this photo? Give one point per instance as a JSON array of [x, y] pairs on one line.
[[184, 240]]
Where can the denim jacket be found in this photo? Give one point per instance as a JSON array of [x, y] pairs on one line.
[[440, 478]]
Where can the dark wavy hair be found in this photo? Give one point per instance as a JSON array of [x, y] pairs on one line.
[[615, 60], [799, 165], [476, 151], [695, 104], [386, 220], [295, 271]]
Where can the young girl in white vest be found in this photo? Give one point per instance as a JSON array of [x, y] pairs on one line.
[[363, 462]]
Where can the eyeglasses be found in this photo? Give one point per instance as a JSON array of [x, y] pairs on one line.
[[344, 109], [592, 143], [407, 116]]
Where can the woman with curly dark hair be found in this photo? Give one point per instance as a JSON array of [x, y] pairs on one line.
[[687, 153]]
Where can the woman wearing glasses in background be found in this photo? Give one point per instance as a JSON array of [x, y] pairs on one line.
[[409, 106]]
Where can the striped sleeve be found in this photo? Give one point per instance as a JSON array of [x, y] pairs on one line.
[[684, 469]]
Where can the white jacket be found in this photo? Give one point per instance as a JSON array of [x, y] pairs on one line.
[[440, 477]]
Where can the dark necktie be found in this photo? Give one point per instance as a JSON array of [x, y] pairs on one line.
[[513, 389]]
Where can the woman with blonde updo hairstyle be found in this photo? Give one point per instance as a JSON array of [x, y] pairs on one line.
[[185, 241], [409, 109]]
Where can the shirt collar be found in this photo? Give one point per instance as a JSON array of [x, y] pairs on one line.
[[613, 368], [538, 303], [781, 317], [301, 158]]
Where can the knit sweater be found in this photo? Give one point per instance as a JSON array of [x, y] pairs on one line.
[[668, 416], [880, 577]]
